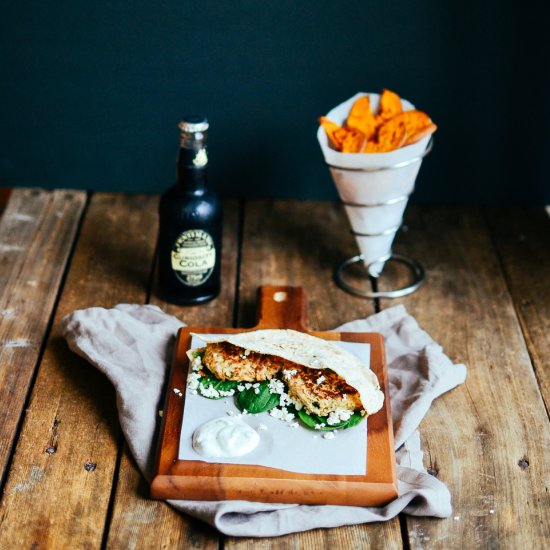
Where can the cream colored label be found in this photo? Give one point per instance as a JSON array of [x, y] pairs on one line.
[[193, 257], [201, 158]]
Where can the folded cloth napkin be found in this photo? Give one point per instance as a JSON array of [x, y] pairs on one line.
[[132, 345]]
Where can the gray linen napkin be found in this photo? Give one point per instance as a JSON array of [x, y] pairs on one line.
[[132, 345]]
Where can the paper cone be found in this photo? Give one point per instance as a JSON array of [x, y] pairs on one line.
[[376, 186]]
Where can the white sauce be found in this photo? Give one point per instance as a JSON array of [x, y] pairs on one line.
[[225, 437]]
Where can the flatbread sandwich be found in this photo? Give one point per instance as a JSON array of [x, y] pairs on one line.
[[289, 374]]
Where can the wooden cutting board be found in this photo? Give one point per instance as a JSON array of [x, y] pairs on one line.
[[278, 307]]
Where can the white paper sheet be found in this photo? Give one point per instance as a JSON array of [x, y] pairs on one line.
[[293, 449]]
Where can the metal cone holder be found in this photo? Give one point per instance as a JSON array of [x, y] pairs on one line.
[[375, 265]]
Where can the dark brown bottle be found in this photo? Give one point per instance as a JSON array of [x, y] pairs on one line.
[[190, 217]]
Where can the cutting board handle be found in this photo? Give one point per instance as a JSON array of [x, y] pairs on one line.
[[282, 307]]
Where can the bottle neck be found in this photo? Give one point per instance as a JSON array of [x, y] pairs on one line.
[[192, 168]]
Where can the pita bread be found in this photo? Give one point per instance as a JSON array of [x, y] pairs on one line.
[[314, 353]]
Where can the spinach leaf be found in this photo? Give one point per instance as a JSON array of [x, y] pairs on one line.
[[255, 403], [312, 420], [219, 385], [196, 353]]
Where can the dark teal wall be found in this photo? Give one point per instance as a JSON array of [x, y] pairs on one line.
[[91, 92]]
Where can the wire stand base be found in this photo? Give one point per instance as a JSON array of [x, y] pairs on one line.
[[416, 268]]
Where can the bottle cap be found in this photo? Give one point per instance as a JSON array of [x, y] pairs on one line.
[[193, 123]]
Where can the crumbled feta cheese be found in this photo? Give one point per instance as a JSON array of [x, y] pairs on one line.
[[319, 426], [294, 425], [246, 352], [257, 391], [289, 373], [329, 435], [281, 414], [192, 381], [230, 413], [321, 379], [209, 391], [276, 386], [241, 387], [340, 415], [284, 400], [196, 363]]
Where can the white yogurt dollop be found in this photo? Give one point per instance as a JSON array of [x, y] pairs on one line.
[[225, 437]]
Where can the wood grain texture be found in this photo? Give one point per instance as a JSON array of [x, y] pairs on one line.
[[488, 440], [136, 518], [36, 234], [522, 241], [371, 537], [58, 490], [299, 243]]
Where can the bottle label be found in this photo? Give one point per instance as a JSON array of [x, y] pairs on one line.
[[193, 257]]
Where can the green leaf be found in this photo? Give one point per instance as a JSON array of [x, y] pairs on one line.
[[312, 420], [198, 354], [256, 403], [219, 385]]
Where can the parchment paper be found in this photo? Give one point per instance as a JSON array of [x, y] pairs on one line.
[[281, 446]]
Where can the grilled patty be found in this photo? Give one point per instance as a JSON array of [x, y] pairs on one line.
[[322, 391], [229, 362]]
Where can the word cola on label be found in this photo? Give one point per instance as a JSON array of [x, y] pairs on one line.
[[190, 217], [194, 257]]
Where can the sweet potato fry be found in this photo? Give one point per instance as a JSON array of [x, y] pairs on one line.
[[391, 136], [333, 131], [361, 117], [354, 141], [390, 105], [422, 133], [414, 121], [390, 129]]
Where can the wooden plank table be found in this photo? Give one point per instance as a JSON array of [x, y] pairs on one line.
[[67, 479]]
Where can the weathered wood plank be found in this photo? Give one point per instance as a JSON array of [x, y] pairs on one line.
[[37, 231], [489, 440], [366, 537], [522, 241], [58, 489], [137, 521], [298, 243]]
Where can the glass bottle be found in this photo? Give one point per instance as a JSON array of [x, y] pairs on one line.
[[190, 218]]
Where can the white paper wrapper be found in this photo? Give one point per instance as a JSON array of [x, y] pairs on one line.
[[346, 454], [373, 188]]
